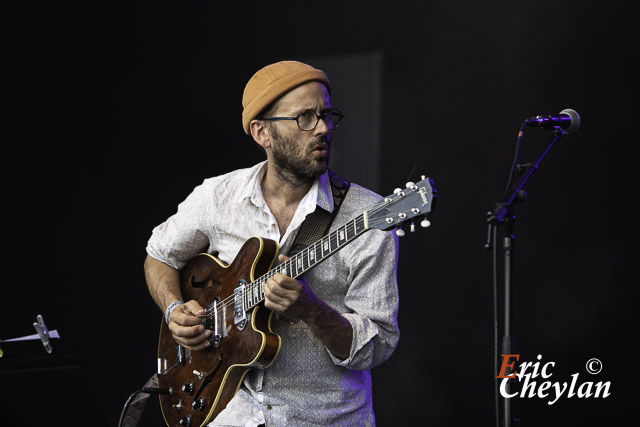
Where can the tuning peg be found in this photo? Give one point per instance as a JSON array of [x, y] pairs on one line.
[[397, 190], [425, 223], [400, 232], [413, 227], [410, 184]]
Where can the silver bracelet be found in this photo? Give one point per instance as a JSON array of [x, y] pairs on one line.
[[170, 308]]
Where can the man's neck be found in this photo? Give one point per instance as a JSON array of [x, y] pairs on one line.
[[284, 189]]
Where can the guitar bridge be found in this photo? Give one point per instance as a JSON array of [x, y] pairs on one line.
[[239, 313]]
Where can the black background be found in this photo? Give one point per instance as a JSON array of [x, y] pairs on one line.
[[127, 106]]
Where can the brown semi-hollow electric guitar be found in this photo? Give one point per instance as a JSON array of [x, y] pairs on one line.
[[203, 382]]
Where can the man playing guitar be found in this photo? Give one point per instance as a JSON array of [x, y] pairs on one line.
[[335, 322]]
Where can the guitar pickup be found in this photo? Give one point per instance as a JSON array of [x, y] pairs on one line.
[[239, 313], [216, 323]]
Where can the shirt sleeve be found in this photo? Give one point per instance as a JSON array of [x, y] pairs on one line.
[[372, 299], [184, 234]]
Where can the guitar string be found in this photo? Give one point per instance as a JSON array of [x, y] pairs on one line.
[[258, 284], [287, 265]]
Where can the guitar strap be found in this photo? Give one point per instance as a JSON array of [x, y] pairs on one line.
[[318, 222]]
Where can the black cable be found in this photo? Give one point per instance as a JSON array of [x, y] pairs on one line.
[[148, 390]]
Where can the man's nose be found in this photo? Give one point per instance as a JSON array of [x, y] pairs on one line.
[[322, 128]]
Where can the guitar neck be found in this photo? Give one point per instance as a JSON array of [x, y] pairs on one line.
[[308, 258]]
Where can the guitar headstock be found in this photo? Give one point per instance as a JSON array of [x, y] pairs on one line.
[[414, 202]]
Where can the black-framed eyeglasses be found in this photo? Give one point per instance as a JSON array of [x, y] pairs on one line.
[[308, 119]]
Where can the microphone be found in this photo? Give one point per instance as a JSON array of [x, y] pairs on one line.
[[568, 119]]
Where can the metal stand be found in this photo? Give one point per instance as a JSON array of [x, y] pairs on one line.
[[504, 216]]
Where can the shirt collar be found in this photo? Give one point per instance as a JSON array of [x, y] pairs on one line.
[[319, 193]]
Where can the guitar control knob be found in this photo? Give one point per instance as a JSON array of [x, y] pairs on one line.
[[188, 388], [198, 404], [186, 421]]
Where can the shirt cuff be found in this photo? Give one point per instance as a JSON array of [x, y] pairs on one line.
[[363, 332]]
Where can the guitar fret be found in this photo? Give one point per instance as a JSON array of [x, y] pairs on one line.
[[311, 252], [351, 230], [251, 293], [291, 268]]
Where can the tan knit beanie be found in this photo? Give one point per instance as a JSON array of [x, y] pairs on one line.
[[273, 81]]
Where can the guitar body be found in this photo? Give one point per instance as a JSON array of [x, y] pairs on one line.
[[204, 381]]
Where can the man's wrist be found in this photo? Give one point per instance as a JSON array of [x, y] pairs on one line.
[[169, 310]]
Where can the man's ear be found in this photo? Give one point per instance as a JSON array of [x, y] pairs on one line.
[[260, 133]]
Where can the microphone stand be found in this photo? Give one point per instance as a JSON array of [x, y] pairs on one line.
[[504, 215]]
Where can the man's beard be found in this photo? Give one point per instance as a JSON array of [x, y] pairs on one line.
[[298, 163]]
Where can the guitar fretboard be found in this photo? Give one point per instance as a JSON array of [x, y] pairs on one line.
[[307, 258]]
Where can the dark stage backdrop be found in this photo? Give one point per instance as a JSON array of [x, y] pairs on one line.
[[126, 107]]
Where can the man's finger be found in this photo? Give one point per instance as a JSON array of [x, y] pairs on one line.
[[285, 282], [282, 257], [275, 294], [193, 307], [186, 314], [185, 331], [197, 343]]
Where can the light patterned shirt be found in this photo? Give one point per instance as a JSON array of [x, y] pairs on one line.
[[306, 385]]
